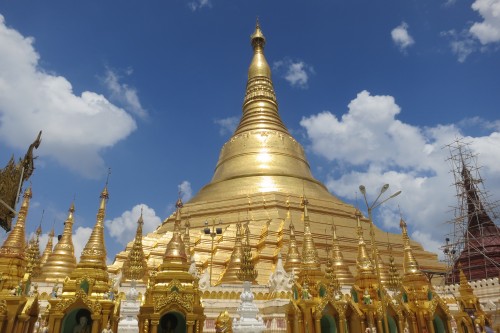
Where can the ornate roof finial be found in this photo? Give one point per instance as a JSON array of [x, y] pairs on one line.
[[340, 269], [394, 279], [310, 259], [33, 266], [247, 272], [186, 238], [410, 263], [135, 268], [257, 38], [465, 288], [93, 258], [293, 258], [230, 275], [176, 250], [363, 262]]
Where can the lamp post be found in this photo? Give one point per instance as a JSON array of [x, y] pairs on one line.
[[212, 232], [370, 209]]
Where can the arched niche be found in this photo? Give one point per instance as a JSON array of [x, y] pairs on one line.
[[172, 322], [74, 320], [439, 324], [328, 324]]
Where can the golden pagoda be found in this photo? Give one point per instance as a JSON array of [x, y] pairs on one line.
[[18, 311], [262, 171], [61, 261], [87, 297], [262, 163], [12, 257], [424, 308], [135, 267]]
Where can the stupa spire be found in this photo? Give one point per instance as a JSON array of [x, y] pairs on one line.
[[340, 269], [247, 273], [230, 274], [48, 248], [176, 251], [33, 266], [135, 268], [363, 262], [261, 156], [293, 258], [310, 259], [186, 238], [93, 259], [384, 272], [62, 261], [12, 252], [410, 263], [260, 108], [394, 278]]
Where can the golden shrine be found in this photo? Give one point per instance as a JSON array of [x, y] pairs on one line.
[[262, 222]]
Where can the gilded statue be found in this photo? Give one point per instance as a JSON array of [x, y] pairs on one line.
[[224, 323], [11, 180]]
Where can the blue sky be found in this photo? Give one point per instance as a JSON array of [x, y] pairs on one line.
[[373, 90]]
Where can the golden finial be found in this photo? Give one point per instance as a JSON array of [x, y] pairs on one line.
[[293, 258], [410, 263], [465, 289], [260, 95], [257, 38], [135, 268], [394, 278], [62, 261], [364, 264], [310, 259], [176, 250], [93, 258], [187, 239], [230, 275], [33, 267], [247, 271], [48, 247], [340, 268]]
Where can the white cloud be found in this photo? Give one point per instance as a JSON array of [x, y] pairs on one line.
[[198, 4], [487, 31], [295, 72], [371, 147], [124, 94], [75, 128], [401, 37], [185, 191], [461, 44], [121, 228], [227, 125]]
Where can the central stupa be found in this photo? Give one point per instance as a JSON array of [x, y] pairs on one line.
[[262, 176]]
